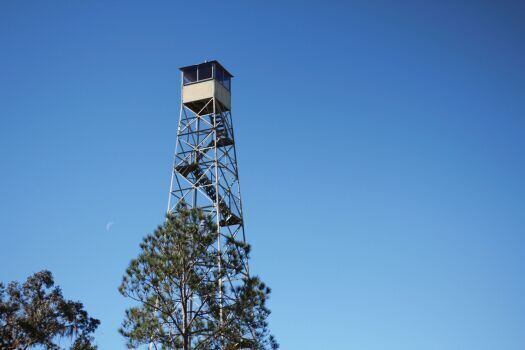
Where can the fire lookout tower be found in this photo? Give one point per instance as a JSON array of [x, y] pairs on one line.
[[205, 173]]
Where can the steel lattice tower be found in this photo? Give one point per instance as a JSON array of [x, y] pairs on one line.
[[205, 173]]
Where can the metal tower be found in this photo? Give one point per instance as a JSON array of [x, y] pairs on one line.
[[205, 173]]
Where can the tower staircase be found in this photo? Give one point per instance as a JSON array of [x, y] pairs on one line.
[[201, 180]]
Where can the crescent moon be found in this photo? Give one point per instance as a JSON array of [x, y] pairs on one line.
[[108, 225]]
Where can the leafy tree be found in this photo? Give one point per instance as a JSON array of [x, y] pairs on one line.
[[35, 315], [182, 303]]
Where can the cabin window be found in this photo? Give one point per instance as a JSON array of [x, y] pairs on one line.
[[219, 74], [222, 77], [190, 75], [226, 81], [204, 71]]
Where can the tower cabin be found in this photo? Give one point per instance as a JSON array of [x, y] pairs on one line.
[[206, 88]]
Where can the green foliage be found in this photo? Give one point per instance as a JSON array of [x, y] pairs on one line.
[[176, 282], [35, 315], [250, 313]]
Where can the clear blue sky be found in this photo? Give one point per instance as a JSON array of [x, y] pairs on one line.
[[380, 145]]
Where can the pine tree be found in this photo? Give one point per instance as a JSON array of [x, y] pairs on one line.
[[175, 280], [36, 315]]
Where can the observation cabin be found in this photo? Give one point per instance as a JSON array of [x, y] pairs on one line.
[[206, 88]]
